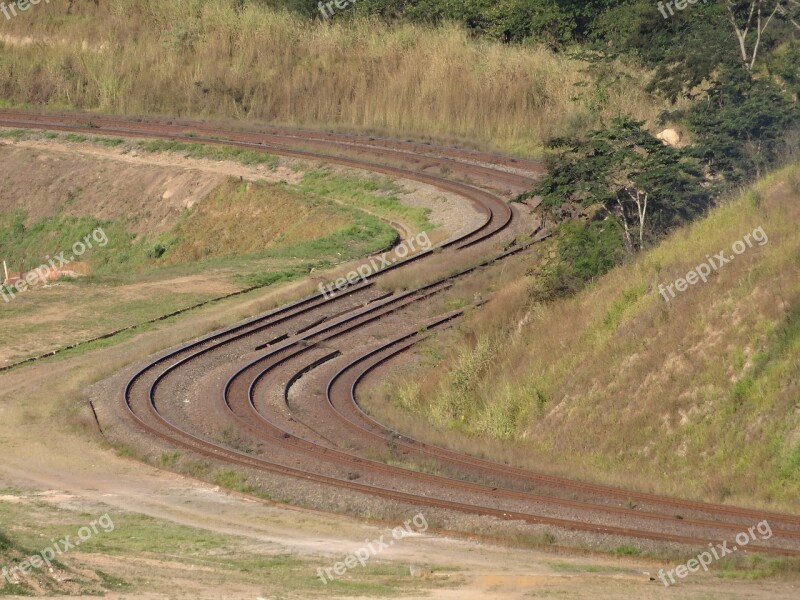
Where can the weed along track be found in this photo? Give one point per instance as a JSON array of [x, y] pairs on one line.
[[278, 394]]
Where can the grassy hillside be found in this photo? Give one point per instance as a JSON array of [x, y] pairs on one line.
[[698, 396], [57, 579], [202, 57], [238, 220], [165, 240], [276, 221], [324, 217]]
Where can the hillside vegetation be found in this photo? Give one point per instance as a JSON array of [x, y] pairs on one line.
[[170, 232], [323, 218], [697, 396], [245, 60], [56, 579]]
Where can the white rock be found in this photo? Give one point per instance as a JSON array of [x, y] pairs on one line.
[[670, 137]]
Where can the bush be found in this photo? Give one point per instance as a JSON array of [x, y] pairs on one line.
[[156, 251], [647, 187], [585, 252], [742, 130]]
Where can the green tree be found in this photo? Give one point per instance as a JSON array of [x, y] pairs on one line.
[[557, 23], [648, 187], [692, 46], [744, 127]]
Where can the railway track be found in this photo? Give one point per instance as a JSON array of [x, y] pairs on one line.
[[266, 356]]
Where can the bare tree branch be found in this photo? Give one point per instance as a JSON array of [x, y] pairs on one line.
[[785, 13], [749, 57], [623, 218], [740, 34], [641, 209], [761, 30]]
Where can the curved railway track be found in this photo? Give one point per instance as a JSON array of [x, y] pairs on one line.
[[265, 358]]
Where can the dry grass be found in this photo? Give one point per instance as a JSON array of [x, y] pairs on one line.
[[202, 57], [697, 397], [252, 216]]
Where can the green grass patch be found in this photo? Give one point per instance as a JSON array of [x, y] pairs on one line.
[[234, 480], [629, 299], [379, 195], [6, 543], [13, 553], [169, 459], [118, 256], [211, 152], [108, 142], [626, 550], [757, 566], [271, 278], [364, 235], [29, 245], [15, 134], [75, 137], [114, 583]]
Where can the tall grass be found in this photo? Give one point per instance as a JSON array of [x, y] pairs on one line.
[[205, 57]]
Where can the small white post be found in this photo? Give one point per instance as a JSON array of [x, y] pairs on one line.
[[5, 270]]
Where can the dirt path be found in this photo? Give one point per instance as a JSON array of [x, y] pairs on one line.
[[485, 571]]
